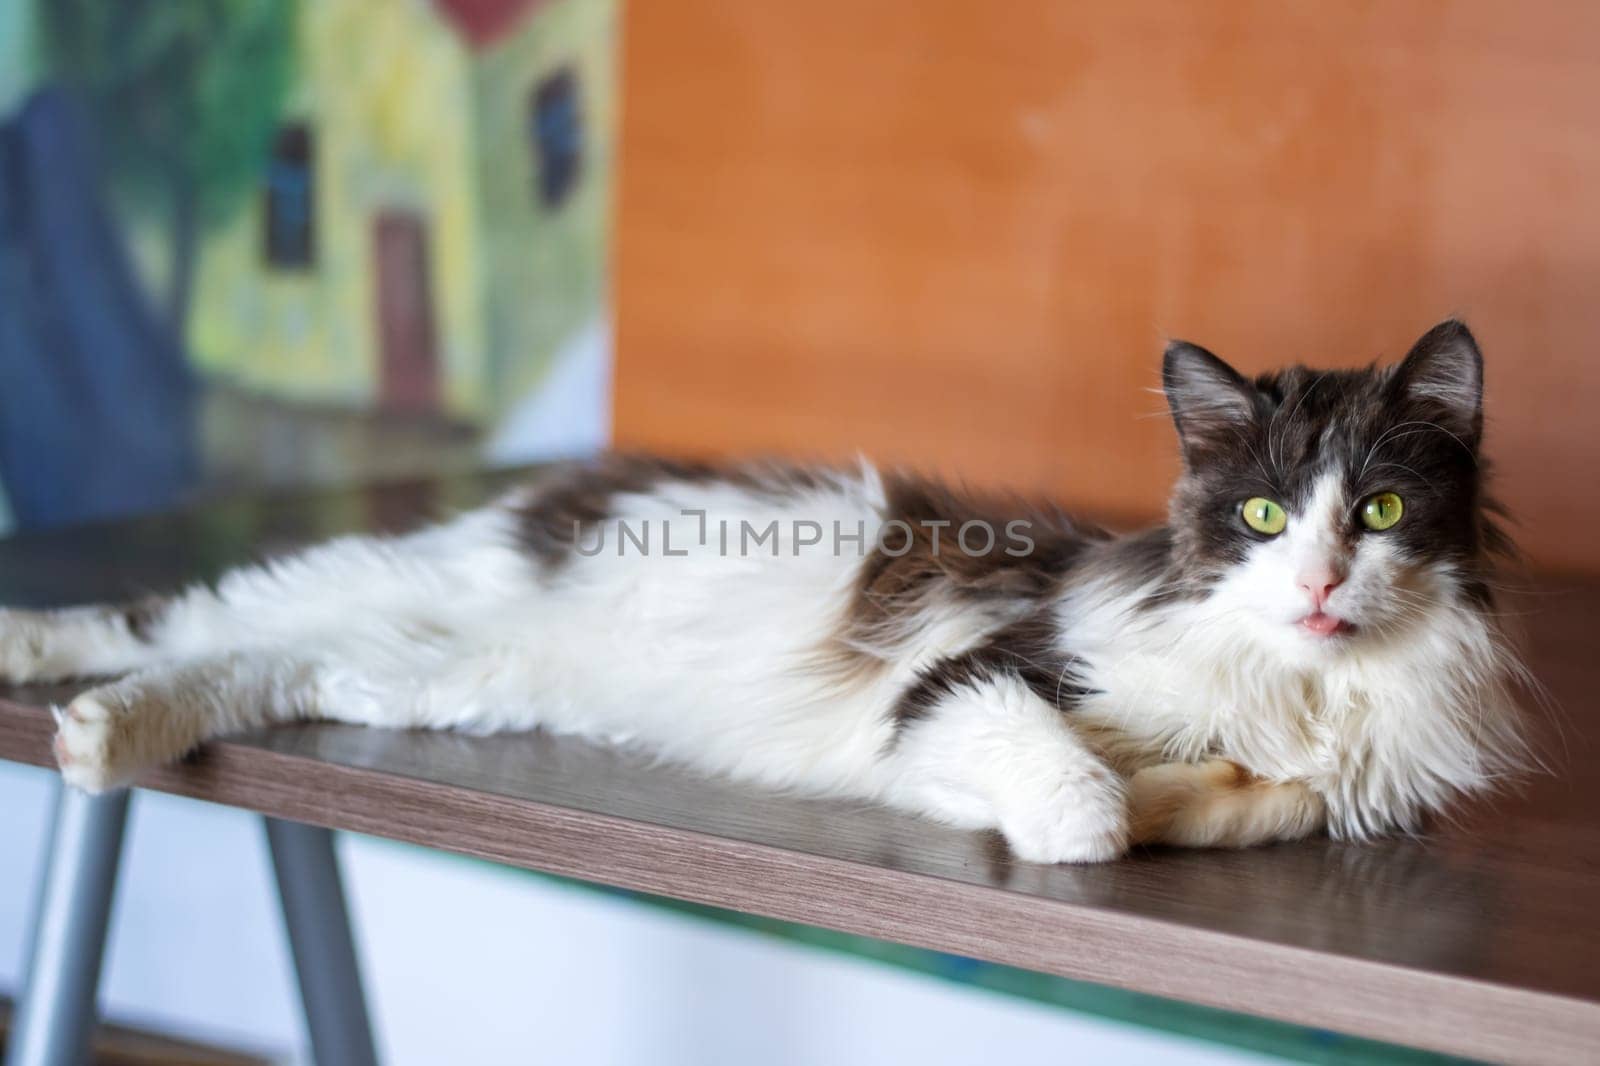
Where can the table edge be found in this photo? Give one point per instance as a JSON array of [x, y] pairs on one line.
[[1303, 986]]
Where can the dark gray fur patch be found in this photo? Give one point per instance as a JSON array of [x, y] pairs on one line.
[[1013, 590], [142, 617], [570, 500], [895, 581], [1028, 650]]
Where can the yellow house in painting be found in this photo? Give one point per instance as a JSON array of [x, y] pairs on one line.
[[432, 223]]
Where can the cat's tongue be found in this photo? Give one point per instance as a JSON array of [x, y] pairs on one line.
[[1324, 625]]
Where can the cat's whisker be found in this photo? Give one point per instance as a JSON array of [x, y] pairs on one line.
[[1304, 394], [1394, 433]]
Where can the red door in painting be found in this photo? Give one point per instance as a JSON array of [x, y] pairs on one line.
[[408, 359]]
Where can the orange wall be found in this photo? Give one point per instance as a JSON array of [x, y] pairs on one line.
[[955, 234]]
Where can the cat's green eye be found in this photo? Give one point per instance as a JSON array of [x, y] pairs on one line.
[[1382, 511], [1264, 515]]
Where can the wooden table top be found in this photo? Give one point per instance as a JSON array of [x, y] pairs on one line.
[[1482, 938]]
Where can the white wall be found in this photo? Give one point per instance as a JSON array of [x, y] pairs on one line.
[[470, 963]]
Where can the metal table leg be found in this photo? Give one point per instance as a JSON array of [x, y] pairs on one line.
[[56, 1015], [319, 935]]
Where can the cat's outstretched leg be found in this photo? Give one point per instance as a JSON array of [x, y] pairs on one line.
[[111, 734], [1217, 803], [994, 754], [76, 641], [440, 572]]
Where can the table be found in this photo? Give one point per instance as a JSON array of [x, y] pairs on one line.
[[1481, 938]]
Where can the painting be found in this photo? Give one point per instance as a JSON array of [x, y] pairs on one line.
[[266, 242]]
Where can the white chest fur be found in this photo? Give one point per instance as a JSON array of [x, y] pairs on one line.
[[1387, 730]]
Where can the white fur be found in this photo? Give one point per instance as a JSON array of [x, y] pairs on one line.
[[716, 660]]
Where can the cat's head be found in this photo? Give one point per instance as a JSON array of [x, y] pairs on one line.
[[1324, 511]]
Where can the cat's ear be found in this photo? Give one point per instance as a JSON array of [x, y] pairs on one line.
[[1210, 400], [1444, 373]]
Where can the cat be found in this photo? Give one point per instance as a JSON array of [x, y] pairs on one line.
[[1308, 645]]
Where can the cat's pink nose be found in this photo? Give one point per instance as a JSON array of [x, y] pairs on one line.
[[1319, 583]]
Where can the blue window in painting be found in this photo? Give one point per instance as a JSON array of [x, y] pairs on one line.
[[556, 133], [290, 231]]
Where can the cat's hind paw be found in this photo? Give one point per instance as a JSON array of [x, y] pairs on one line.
[[89, 746], [1218, 803], [21, 647], [1165, 800]]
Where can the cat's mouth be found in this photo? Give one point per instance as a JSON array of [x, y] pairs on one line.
[[1323, 625]]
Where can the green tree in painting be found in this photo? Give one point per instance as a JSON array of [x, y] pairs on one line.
[[185, 96]]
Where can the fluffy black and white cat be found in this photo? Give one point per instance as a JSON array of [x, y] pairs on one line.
[[1308, 644]]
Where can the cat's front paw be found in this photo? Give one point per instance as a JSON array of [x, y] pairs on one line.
[[1083, 820], [91, 745]]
